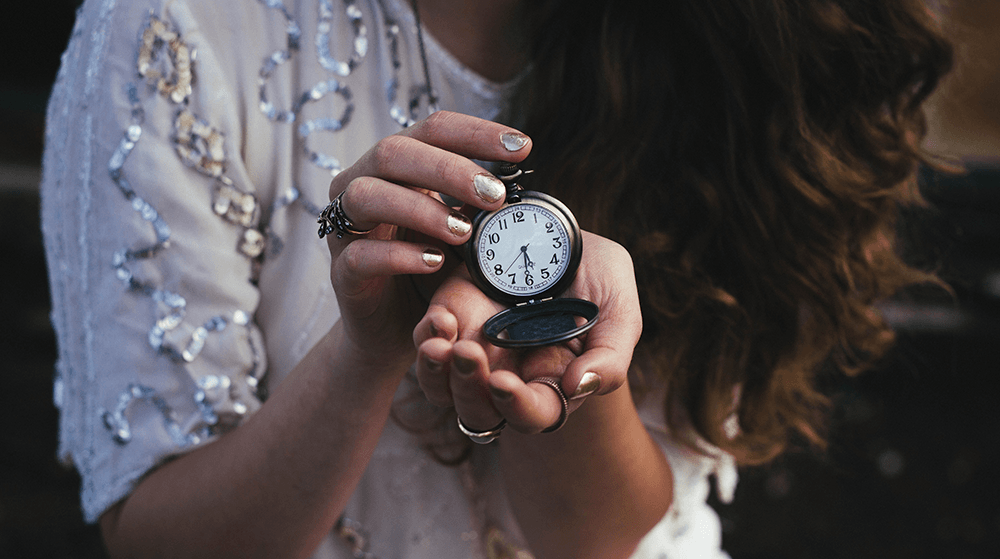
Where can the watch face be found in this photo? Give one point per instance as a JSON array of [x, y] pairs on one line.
[[527, 249]]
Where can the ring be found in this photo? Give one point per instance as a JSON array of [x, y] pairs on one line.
[[333, 219], [553, 383], [482, 437]]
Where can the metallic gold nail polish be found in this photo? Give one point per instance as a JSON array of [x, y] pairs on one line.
[[432, 257], [458, 224], [513, 141], [489, 188], [588, 385]]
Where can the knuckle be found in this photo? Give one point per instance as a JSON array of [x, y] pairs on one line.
[[437, 122], [387, 151], [359, 194], [353, 258]]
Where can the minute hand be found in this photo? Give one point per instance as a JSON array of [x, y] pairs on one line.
[[524, 250]]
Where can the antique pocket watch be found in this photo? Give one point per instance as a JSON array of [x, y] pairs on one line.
[[526, 253]]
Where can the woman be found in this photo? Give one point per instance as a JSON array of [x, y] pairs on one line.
[[754, 187]]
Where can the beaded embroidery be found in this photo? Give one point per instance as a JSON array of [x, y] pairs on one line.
[[165, 62]]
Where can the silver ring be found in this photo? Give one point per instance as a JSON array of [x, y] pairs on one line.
[[482, 437], [553, 383], [333, 220]]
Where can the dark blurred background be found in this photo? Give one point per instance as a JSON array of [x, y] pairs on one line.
[[911, 468]]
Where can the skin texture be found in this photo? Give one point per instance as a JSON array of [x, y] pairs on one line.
[[275, 486], [312, 439]]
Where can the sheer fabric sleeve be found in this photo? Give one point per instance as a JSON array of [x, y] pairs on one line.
[[152, 232]]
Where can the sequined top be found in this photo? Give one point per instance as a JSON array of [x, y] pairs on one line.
[[189, 146]]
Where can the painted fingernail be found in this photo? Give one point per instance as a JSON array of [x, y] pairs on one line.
[[458, 224], [489, 188], [433, 365], [464, 366], [588, 385], [513, 141], [432, 257], [500, 393]]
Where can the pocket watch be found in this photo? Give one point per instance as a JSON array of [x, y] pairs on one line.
[[525, 254]]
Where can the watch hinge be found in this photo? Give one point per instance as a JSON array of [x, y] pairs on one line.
[[532, 301]]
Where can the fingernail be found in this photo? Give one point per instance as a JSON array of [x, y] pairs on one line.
[[513, 141], [464, 366], [489, 188], [588, 385], [432, 364], [458, 224], [500, 393], [432, 257]]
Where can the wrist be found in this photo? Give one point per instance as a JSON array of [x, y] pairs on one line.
[[345, 353]]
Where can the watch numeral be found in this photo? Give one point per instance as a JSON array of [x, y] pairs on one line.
[[502, 224], [528, 279], [494, 238], [498, 269], [518, 217], [490, 255], [545, 272], [549, 227], [557, 243], [512, 277], [555, 259]]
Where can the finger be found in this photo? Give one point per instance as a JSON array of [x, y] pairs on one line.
[[432, 371], [435, 155], [529, 407], [369, 201], [472, 137], [470, 386], [438, 322], [361, 261], [467, 303], [603, 365]]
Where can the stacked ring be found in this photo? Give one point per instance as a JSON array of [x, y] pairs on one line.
[[333, 219], [482, 437], [553, 383]]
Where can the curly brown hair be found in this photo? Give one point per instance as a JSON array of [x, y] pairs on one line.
[[753, 156]]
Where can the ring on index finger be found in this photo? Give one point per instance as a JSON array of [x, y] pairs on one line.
[[553, 383], [333, 220]]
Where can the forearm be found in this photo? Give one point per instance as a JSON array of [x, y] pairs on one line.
[[275, 485], [592, 489]]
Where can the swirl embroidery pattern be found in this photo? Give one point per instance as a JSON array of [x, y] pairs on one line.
[[166, 64]]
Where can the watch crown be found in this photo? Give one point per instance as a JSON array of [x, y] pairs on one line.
[[509, 173]]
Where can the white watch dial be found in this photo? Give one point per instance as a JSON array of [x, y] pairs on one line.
[[523, 249]]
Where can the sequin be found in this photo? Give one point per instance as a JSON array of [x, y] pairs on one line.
[[198, 144], [197, 341], [171, 71], [252, 243], [121, 431], [404, 117], [234, 205], [326, 124], [360, 43], [276, 59]]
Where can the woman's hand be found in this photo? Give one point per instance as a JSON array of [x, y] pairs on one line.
[[486, 384], [394, 187]]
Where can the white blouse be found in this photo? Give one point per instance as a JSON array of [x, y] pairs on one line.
[[190, 145]]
